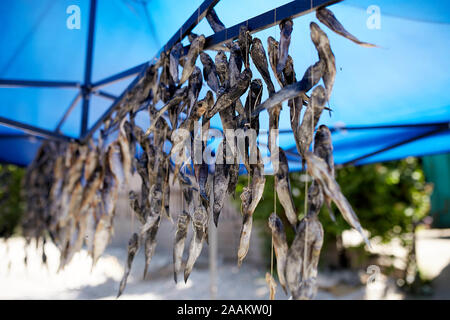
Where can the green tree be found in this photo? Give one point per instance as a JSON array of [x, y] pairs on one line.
[[11, 201], [387, 198]]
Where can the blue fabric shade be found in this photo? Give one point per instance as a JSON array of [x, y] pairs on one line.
[[404, 82]]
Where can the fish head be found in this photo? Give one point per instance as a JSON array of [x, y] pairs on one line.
[[275, 222], [206, 59], [318, 36], [286, 27], [323, 135]]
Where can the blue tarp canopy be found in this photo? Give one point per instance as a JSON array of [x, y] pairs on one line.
[[388, 102]]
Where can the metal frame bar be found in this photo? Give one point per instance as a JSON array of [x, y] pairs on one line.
[[86, 90], [104, 94], [383, 126], [68, 111], [119, 76], [35, 130], [17, 83], [266, 20], [16, 136], [398, 144]]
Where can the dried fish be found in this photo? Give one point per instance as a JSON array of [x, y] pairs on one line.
[[246, 198], [245, 41], [189, 63], [174, 57], [180, 238], [328, 18], [228, 97], [309, 80], [310, 119], [323, 148], [209, 72], [318, 169], [300, 273], [283, 188], [214, 21], [259, 58], [322, 44], [272, 49], [133, 247], [199, 224], [221, 64], [285, 40], [280, 246], [126, 157], [221, 181], [250, 198]]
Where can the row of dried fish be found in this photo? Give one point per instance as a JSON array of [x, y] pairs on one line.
[[72, 189]]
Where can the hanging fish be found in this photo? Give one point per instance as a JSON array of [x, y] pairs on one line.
[[221, 181], [259, 58], [221, 64], [180, 238], [309, 80], [322, 44], [245, 41], [214, 21], [285, 40], [133, 247], [174, 57], [280, 246], [283, 188], [189, 63], [227, 98], [310, 119], [328, 18], [318, 169], [272, 50], [323, 148], [209, 72], [250, 199], [199, 224], [302, 259]]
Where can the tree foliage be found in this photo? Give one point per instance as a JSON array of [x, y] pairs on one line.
[[387, 198], [11, 201]]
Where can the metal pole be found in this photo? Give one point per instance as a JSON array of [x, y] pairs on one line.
[[34, 130], [266, 20], [17, 83], [88, 69], [398, 144]]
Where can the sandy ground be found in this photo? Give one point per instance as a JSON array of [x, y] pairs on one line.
[[77, 281], [80, 281]]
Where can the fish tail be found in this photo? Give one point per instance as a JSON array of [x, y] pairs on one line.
[[187, 273], [216, 218]]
